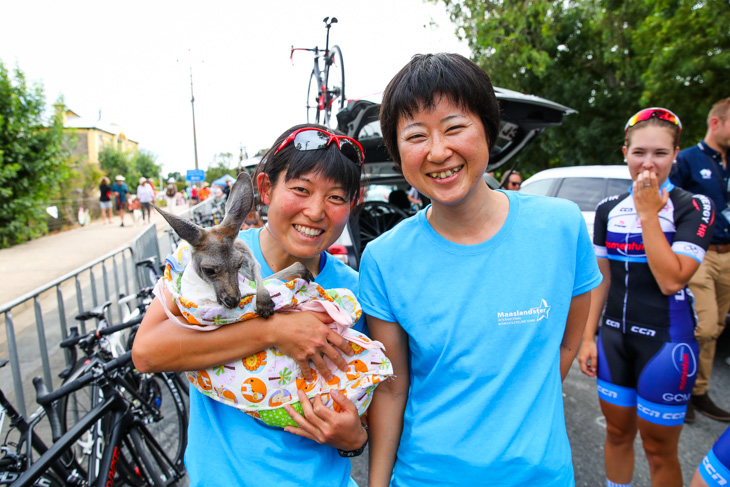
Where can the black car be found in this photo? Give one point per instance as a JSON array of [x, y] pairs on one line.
[[524, 117]]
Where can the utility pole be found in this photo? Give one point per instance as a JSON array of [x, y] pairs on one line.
[[192, 103]]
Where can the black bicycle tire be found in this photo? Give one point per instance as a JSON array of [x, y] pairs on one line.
[[335, 53], [152, 473], [313, 110], [172, 430], [376, 218], [77, 404]]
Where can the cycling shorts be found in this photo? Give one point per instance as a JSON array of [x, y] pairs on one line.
[[715, 467], [635, 369]]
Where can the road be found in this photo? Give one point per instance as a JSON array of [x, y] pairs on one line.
[[585, 424]]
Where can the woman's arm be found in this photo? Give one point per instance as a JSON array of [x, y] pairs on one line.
[[588, 353], [671, 271], [574, 326], [161, 345], [385, 416]]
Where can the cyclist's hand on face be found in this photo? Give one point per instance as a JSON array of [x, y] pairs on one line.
[[588, 357], [306, 337], [338, 429]]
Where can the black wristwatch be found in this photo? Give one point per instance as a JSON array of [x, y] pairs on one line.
[[358, 452]]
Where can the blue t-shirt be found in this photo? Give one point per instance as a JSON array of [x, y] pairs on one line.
[[484, 325], [699, 170], [226, 447], [122, 189]]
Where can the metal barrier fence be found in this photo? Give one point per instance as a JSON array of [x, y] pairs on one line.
[[103, 279]]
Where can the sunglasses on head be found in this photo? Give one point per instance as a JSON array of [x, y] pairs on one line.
[[647, 113], [310, 138]]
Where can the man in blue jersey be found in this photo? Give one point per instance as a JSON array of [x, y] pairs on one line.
[[704, 169]]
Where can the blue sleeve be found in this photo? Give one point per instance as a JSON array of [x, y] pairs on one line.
[[587, 273], [373, 292], [678, 175]]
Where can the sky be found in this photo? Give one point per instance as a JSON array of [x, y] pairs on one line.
[[131, 62]]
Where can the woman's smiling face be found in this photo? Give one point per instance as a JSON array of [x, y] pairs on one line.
[[444, 151], [306, 214]]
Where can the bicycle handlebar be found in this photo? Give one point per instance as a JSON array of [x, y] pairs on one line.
[[51, 412], [48, 398]]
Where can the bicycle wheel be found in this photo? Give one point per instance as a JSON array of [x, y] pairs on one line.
[[165, 414], [376, 218], [313, 107], [74, 407], [334, 76]]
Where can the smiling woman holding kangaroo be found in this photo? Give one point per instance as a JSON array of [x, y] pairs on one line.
[[310, 180]]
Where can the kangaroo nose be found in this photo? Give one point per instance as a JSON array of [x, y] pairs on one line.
[[231, 302]]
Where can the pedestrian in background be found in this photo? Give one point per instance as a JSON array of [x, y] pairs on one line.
[[649, 241], [511, 180], [170, 192], [120, 191], [477, 396], [145, 195], [105, 200], [703, 169]]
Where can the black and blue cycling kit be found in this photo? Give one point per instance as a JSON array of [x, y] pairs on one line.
[[647, 353]]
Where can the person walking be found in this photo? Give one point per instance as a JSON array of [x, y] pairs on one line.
[[120, 191], [649, 241], [703, 169], [145, 195], [170, 192], [105, 200]]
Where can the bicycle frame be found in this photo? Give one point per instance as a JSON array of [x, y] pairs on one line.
[[122, 419]]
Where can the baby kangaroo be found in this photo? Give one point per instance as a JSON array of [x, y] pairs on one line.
[[219, 256]]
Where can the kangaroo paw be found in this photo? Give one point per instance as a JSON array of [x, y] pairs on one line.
[[264, 305]]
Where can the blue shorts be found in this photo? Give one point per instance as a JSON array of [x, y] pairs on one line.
[[715, 467], [652, 375], [105, 205]]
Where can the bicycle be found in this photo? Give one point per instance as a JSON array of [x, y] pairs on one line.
[[118, 417], [18, 455], [164, 410], [326, 89]]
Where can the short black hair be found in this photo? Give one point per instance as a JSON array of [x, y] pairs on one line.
[[427, 76], [331, 163]]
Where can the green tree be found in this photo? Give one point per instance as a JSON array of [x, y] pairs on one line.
[[603, 58], [33, 160], [219, 167], [131, 165]]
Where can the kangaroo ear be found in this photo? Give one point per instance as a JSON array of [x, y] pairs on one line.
[[240, 202], [187, 230]]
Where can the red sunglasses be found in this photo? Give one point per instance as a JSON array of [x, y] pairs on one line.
[[647, 113], [310, 138]]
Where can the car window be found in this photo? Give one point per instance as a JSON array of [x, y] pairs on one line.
[[541, 187], [617, 186], [586, 192]]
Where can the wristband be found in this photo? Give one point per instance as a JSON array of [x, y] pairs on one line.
[[358, 452]]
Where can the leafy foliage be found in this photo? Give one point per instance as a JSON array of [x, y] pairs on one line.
[[32, 156], [604, 58], [131, 165], [220, 166]]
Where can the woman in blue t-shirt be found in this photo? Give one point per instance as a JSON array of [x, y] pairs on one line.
[[310, 180], [478, 353]]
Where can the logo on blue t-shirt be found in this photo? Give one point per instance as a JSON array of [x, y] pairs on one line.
[[706, 174], [532, 315]]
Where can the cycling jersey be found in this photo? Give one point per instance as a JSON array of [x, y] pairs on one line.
[[635, 302], [647, 353]]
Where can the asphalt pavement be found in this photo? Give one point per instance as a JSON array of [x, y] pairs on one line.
[[42, 260]]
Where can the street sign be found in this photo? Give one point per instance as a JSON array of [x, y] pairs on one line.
[[195, 175]]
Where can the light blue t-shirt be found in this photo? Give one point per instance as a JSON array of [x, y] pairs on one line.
[[226, 447], [484, 325]]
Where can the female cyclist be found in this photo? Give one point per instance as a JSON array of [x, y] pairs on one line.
[[310, 180], [649, 241]]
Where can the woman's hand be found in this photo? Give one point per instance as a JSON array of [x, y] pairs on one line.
[[588, 357], [306, 337], [340, 430], [647, 198]]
